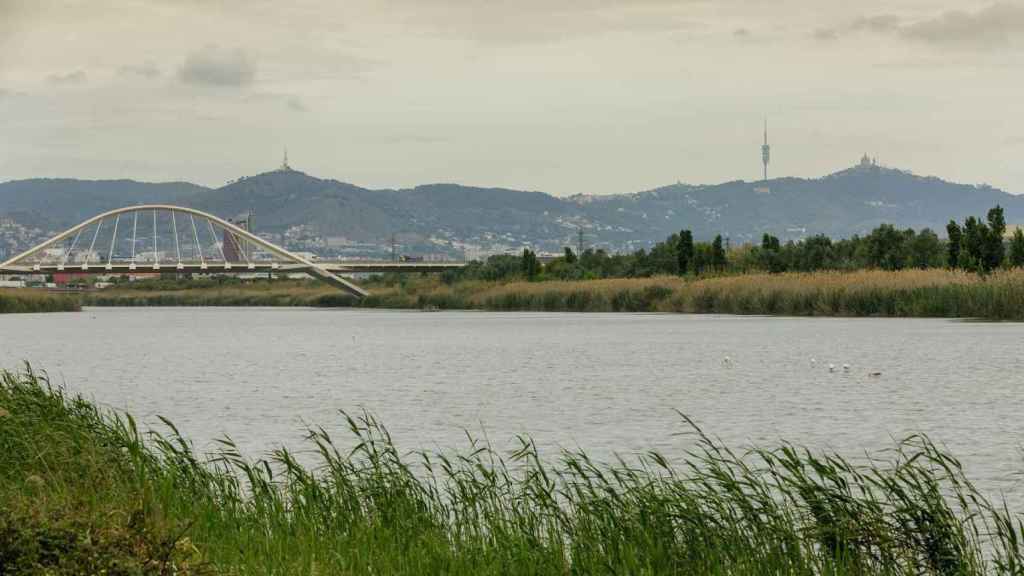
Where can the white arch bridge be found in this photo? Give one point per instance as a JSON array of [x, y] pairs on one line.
[[165, 238]]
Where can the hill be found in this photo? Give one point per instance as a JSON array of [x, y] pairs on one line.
[[337, 217]]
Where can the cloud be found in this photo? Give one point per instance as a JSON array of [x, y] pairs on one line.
[[70, 78], [882, 23], [826, 34], [990, 27], [146, 70], [214, 66], [295, 103]]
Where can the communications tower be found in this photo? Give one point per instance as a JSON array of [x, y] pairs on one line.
[[766, 151]]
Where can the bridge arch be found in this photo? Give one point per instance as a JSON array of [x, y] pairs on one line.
[[34, 259]]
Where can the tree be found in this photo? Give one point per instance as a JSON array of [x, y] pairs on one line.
[[925, 249], [814, 253], [718, 260], [886, 248], [530, 265], [570, 258], [974, 245], [664, 256], [770, 257], [994, 251], [684, 251], [769, 242], [1017, 248], [953, 244]]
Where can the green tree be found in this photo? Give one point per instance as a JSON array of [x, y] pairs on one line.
[[1017, 249], [718, 259], [530, 265], [974, 245], [570, 258], [955, 239], [769, 242], [994, 251], [771, 260], [684, 251], [925, 249], [814, 253], [701, 257], [886, 248], [664, 256]]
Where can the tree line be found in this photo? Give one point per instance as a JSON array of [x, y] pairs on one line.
[[976, 245]]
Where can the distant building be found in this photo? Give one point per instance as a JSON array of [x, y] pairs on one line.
[[766, 151], [868, 162]]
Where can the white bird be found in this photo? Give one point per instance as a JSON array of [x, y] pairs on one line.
[[813, 361], [846, 367], [727, 361], [831, 367]]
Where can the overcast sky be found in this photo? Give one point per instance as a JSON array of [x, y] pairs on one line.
[[563, 96]]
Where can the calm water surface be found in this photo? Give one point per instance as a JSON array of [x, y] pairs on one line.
[[605, 382]]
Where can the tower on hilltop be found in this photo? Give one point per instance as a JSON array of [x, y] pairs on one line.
[[766, 151], [284, 164]]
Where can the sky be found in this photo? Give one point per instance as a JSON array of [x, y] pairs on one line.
[[562, 96]]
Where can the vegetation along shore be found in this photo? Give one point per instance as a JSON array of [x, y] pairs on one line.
[[84, 491], [21, 300], [905, 293]]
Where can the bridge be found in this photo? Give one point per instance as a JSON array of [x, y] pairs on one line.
[[166, 238]]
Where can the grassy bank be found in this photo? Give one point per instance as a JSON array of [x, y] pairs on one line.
[[21, 300], [83, 492], [909, 293]]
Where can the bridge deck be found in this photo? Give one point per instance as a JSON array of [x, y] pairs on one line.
[[339, 267]]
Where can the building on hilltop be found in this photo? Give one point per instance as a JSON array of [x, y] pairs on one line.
[[284, 163], [766, 151]]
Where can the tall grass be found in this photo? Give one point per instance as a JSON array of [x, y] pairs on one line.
[[23, 300], [909, 293], [79, 487]]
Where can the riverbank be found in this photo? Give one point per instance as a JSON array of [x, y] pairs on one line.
[[27, 300], [907, 293], [83, 491]]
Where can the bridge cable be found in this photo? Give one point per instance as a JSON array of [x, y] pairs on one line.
[[199, 247], [177, 247], [72, 249], [219, 245], [135, 228], [156, 257], [245, 254], [113, 241], [92, 244]]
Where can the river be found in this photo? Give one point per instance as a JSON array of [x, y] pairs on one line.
[[609, 383]]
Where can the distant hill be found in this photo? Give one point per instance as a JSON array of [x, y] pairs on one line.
[[61, 202], [450, 217]]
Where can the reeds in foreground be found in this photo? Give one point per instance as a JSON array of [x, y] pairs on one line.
[[82, 490]]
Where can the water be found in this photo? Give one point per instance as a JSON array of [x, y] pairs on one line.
[[609, 383]]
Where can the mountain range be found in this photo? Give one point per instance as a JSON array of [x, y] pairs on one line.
[[329, 216]]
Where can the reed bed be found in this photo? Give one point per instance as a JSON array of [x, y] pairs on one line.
[[281, 293], [906, 293], [84, 491], [28, 300]]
